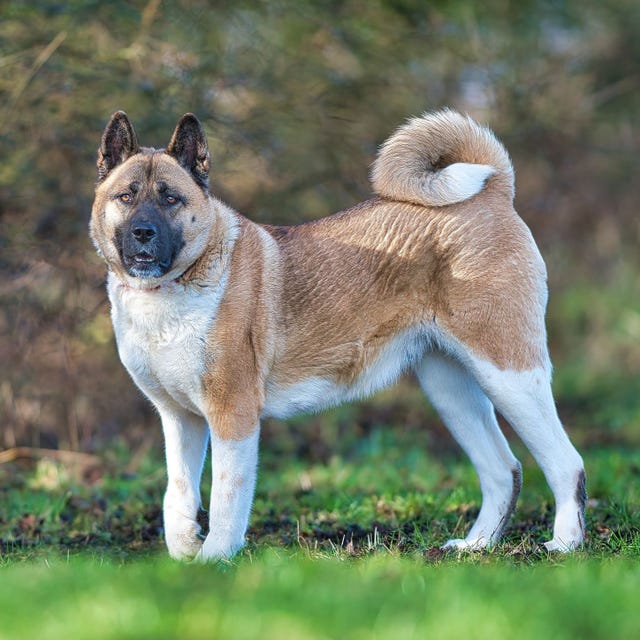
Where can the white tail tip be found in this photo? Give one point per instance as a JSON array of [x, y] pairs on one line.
[[457, 182]]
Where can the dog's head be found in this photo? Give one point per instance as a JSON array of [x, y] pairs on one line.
[[152, 215]]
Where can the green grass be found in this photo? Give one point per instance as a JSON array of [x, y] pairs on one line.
[[379, 492], [292, 594], [343, 544]]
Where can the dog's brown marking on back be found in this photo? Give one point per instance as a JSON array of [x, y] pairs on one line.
[[343, 297], [356, 279]]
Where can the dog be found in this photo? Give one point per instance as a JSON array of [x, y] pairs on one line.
[[222, 322]]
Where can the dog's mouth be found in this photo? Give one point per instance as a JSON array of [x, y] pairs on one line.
[[142, 258], [145, 264], [145, 257]]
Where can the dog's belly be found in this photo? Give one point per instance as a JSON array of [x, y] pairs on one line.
[[314, 393]]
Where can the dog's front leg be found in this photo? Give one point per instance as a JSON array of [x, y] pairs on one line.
[[186, 438], [234, 464]]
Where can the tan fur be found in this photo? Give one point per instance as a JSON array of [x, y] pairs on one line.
[[354, 280], [241, 342]]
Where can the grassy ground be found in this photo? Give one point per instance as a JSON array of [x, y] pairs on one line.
[[343, 543], [288, 594]]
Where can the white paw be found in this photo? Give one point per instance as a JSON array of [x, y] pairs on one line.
[[219, 546], [561, 546], [466, 544], [182, 536]]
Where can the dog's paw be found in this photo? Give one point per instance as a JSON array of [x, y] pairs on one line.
[[465, 544], [561, 546], [182, 536], [219, 546]]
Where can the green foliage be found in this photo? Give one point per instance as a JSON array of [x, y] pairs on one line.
[[295, 96], [387, 492], [52, 506], [597, 333]]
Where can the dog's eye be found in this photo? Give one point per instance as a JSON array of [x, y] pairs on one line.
[[127, 198], [169, 199]]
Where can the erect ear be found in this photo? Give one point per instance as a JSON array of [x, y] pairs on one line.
[[119, 142], [188, 145]]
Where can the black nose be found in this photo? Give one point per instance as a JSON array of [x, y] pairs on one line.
[[144, 231]]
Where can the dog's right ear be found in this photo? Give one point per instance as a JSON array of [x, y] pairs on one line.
[[119, 142]]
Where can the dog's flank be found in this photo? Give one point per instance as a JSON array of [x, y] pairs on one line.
[[221, 321]]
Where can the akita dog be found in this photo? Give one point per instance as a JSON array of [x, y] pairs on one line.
[[221, 321]]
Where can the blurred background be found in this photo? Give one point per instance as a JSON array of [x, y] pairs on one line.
[[295, 96]]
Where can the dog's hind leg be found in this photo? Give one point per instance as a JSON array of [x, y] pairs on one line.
[[185, 438], [470, 417], [525, 399]]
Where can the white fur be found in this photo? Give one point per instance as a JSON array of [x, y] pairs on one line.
[[525, 400], [470, 418], [234, 469], [161, 337], [185, 436], [456, 182]]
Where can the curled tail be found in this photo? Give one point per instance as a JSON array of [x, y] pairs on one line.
[[439, 159]]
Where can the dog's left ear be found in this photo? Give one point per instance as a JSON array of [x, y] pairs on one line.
[[189, 147]]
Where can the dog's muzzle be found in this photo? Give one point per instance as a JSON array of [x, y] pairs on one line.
[[147, 245]]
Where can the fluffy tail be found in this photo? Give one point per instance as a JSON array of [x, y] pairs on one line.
[[439, 159]]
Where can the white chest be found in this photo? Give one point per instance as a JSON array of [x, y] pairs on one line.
[[161, 338]]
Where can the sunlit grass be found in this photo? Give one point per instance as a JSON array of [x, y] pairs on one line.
[[290, 594]]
